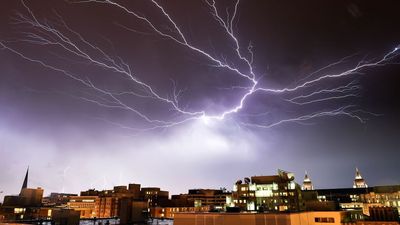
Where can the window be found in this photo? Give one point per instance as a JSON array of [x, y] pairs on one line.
[[324, 220], [19, 210]]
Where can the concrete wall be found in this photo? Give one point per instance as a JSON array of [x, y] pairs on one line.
[[231, 219], [305, 218]]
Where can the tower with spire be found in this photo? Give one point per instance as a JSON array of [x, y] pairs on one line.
[[307, 184], [25, 184], [359, 182]]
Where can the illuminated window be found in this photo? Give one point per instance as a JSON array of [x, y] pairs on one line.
[[19, 210], [292, 185]]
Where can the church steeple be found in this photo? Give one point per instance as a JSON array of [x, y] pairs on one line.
[[359, 182], [25, 184], [307, 184]]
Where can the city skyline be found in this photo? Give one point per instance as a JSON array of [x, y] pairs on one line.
[[198, 114], [306, 184], [307, 179]]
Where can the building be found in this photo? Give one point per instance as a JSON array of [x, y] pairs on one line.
[[359, 182], [133, 211], [382, 196], [383, 213], [215, 198], [356, 201], [169, 212], [307, 184], [57, 199], [276, 193], [107, 201], [154, 196], [87, 206], [65, 216], [26, 205], [298, 218]]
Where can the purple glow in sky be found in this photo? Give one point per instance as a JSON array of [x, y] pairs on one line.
[[196, 94]]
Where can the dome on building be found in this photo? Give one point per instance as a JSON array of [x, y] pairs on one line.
[[307, 184]]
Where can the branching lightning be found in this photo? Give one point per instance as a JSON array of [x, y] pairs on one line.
[[44, 33]]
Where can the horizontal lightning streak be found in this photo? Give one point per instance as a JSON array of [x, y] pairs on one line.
[[330, 113]]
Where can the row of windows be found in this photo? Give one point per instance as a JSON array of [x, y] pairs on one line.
[[324, 219]]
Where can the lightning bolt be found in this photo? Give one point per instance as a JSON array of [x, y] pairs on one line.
[[60, 35], [65, 170]]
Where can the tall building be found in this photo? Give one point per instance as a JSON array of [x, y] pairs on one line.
[[276, 193], [307, 184], [154, 195], [357, 201], [359, 182], [107, 202]]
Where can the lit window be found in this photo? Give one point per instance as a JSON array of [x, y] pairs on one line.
[[19, 210]]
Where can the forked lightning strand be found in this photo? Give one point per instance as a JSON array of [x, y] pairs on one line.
[[60, 35]]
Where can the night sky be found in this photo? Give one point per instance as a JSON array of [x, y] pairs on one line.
[[61, 129]]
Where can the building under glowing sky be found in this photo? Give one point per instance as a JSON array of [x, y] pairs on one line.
[[359, 182], [307, 184]]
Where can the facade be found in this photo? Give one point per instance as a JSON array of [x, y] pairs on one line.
[[215, 198], [65, 216], [383, 213], [277, 193], [133, 211], [169, 212], [154, 196], [356, 201], [88, 206], [29, 197], [107, 202], [383, 196]]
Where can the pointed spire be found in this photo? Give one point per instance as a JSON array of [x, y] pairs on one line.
[[25, 184], [359, 182], [306, 176]]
